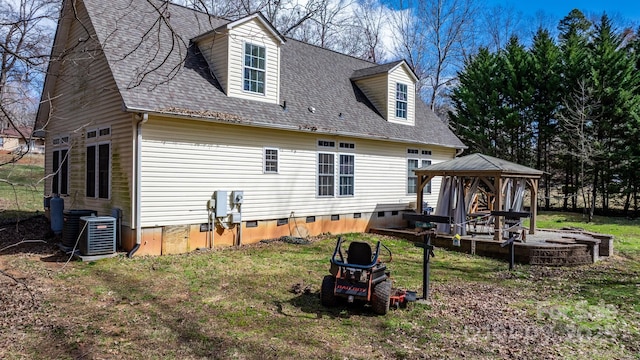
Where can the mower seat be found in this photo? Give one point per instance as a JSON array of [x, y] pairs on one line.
[[359, 253]]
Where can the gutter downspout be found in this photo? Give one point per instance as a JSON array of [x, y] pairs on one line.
[[138, 184], [459, 152]]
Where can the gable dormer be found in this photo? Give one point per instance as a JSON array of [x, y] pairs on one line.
[[244, 56], [391, 88]]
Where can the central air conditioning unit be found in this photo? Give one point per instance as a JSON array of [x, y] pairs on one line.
[[98, 235]]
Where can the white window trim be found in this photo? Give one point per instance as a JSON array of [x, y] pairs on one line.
[[97, 141], [61, 147], [62, 141], [264, 160], [338, 175], [427, 185], [244, 54], [97, 137], [59, 143], [317, 191], [407, 172], [336, 151], [406, 102], [420, 158]]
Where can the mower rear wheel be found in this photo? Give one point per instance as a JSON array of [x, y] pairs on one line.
[[327, 295], [381, 297]]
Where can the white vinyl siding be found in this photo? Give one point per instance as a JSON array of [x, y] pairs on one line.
[[400, 75], [382, 92], [185, 162], [86, 93], [216, 51], [375, 89], [253, 32]]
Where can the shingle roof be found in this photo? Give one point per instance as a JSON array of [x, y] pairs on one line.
[[374, 70], [480, 163], [12, 132], [310, 77]]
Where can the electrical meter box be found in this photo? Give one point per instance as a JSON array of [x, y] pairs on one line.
[[221, 203], [237, 197]]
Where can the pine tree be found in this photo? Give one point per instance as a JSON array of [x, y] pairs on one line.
[[476, 100], [516, 72], [575, 84], [615, 83], [546, 82]]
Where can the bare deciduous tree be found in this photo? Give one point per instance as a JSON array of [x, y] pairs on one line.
[[433, 35], [500, 23], [371, 18], [26, 33], [577, 119]]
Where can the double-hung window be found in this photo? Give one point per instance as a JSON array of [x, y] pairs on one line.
[[347, 174], [270, 161], [415, 161], [98, 163], [412, 179], [336, 168], [427, 187], [401, 100], [254, 68], [60, 166], [326, 174]]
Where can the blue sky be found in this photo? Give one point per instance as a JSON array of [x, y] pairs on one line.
[[630, 10]]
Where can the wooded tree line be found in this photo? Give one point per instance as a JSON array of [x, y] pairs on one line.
[[569, 106]]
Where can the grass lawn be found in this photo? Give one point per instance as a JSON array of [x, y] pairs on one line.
[[261, 302], [21, 188], [627, 232]]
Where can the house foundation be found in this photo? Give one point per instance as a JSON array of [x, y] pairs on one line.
[[177, 239]]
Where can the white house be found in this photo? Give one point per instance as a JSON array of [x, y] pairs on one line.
[[208, 132]]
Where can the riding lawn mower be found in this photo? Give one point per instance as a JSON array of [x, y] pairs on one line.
[[361, 276]]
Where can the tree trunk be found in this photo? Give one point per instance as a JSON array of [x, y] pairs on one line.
[[594, 195]]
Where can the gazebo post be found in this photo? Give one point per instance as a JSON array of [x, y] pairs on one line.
[[534, 206], [497, 206], [420, 193]]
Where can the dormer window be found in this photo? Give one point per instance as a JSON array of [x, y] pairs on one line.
[[254, 68], [401, 100]]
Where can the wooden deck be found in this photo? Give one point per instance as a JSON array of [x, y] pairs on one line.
[[545, 247]]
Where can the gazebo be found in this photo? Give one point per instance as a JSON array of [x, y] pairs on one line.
[[508, 182]]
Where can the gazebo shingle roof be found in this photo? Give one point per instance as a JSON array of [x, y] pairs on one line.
[[480, 164]]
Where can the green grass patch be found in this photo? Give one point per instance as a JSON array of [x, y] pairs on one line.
[[262, 301], [625, 231], [21, 190]]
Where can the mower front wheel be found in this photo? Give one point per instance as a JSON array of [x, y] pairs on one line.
[[327, 295], [381, 297]]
